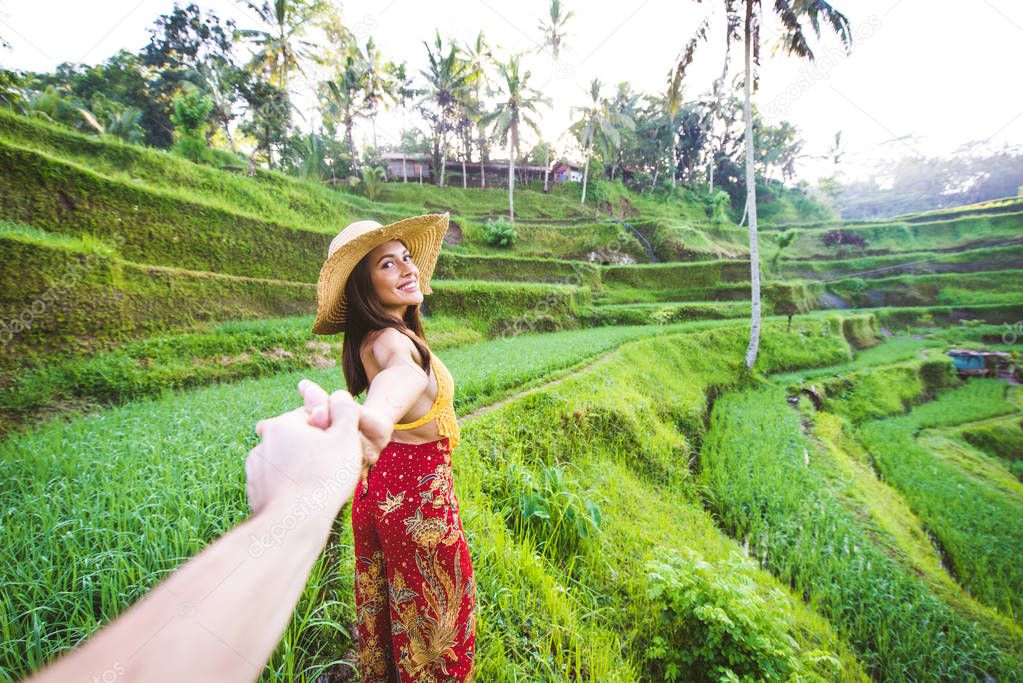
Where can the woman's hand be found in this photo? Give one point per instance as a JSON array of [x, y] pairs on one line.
[[375, 428]]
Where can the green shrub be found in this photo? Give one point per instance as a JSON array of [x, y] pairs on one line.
[[552, 508], [713, 624], [499, 232], [717, 206], [189, 117], [875, 392]]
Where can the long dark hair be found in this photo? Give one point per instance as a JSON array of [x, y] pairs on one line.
[[364, 315]]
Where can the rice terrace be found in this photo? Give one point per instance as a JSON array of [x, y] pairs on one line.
[[700, 325]]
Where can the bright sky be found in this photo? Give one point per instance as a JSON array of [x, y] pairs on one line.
[[925, 76]]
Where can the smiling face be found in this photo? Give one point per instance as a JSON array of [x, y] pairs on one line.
[[394, 276]]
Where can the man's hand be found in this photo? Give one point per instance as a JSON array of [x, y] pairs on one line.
[[295, 458], [374, 428]]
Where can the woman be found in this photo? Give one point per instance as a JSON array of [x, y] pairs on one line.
[[415, 594]]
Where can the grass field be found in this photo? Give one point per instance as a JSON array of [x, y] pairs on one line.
[[639, 506]]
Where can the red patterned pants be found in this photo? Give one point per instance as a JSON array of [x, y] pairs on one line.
[[414, 590]]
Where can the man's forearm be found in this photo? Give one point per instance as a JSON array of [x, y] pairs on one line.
[[220, 616]]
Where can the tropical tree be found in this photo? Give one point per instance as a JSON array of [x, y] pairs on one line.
[[448, 79], [382, 82], [597, 128], [554, 29], [793, 40], [188, 49], [269, 118], [623, 109], [278, 47], [342, 97], [517, 107], [553, 35], [191, 108], [477, 57]]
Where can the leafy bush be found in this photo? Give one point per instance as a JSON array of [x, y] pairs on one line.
[[189, 117], [552, 508], [717, 206], [714, 624], [499, 232], [843, 238], [373, 178]]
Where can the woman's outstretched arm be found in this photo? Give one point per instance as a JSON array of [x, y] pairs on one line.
[[400, 382]]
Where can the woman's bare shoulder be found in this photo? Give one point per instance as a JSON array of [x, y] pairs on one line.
[[388, 345]]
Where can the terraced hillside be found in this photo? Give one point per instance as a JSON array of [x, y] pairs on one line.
[[848, 511]]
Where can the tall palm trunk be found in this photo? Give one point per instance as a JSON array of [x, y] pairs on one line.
[[546, 166], [514, 138], [349, 124], [586, 173], [751, 203], [717, 106]]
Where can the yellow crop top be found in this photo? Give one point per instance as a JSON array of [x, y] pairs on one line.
[[443, 408]]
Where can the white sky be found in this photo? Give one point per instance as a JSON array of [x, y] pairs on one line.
[[939, 71]]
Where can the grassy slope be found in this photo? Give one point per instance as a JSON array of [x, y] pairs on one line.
[[605, 427], [973, 513], [769, 487]]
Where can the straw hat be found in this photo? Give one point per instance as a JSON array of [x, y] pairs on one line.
[[423, 235]]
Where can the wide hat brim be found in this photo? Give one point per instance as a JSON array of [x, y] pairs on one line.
[[422, 235]]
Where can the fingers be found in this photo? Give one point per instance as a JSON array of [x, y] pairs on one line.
[[344, 412], [316, 405], [270, 423]]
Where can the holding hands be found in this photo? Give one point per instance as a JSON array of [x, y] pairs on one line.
[[306, 445]]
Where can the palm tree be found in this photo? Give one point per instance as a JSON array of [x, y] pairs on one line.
[[278, 51], [517, 108], [791, 12], [381, 82], [477, 56], [448, 80], [553, 34], [598, 127], [554, 30], [341, 97], [623, 113]]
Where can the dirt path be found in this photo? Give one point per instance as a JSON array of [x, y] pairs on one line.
[[487, 408]]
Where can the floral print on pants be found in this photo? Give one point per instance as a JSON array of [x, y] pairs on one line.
[[415, 595]]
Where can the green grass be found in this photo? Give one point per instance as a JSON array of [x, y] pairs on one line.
[[1002, 438], [976, 523], [122, 497], [270, 196], [973, 260], [768, 486], [992, 287], [893, 237], [662, 313], [891, 350]]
